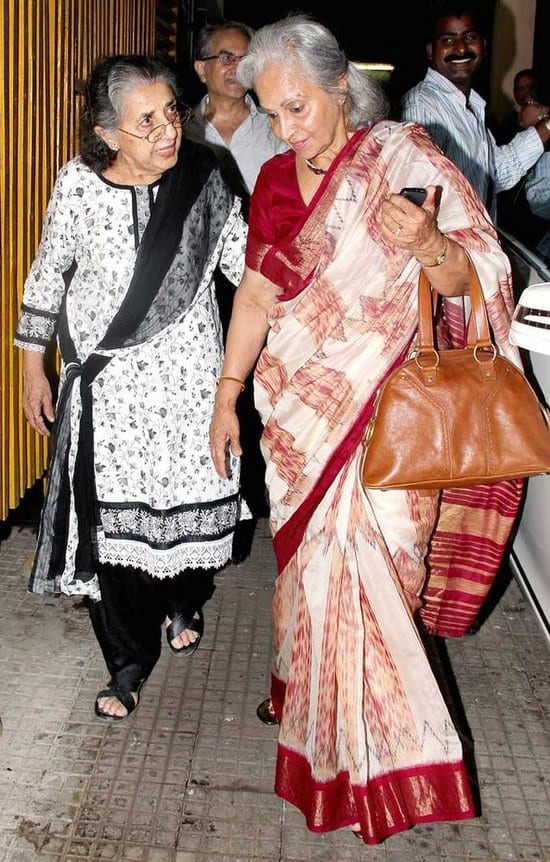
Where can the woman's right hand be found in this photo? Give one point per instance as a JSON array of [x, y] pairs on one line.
[[37, 393], [224, 430], [245, 338]]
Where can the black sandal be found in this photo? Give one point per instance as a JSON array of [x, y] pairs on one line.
[[266, 713], [123, 695], [178, 625]]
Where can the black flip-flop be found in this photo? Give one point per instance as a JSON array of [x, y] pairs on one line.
[[123, 695], [178, 625]]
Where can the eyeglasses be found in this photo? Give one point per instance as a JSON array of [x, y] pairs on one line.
[[182, 116], [226, 58]]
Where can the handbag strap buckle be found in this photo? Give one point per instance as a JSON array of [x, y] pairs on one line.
[[427, 360], [430, 354], [485, 356]]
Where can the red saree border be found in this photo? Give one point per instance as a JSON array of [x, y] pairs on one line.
[[292, 262], [278, 688], [463, 562], [388, 804]]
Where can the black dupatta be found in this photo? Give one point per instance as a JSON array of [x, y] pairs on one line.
[[136, 319]]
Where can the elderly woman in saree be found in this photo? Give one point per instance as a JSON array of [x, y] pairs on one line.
[[326, 309], [135, 517]]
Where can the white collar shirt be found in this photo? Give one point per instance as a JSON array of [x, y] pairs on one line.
[[459, 128], [252, 143]]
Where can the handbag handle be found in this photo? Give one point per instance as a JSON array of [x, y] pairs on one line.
[[479, 337]]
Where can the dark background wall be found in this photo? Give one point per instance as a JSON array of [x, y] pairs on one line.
[[540, 48], [389, 32], [384, 36]]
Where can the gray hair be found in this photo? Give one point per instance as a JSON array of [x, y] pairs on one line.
[[110, 85], [203, 46], [312, 49]]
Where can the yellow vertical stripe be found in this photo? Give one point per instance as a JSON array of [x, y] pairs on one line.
[[48, 49]]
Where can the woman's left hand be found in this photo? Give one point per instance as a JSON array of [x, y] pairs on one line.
[[410, 227]]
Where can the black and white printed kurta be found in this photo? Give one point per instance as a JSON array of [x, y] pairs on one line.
[[163, 507]]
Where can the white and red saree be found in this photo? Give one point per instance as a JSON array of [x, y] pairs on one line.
[[365, 735]]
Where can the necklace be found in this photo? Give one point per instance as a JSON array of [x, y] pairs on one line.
[[319, 172]]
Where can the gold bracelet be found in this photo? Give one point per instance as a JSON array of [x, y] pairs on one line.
[[442, 256], [234, 379]]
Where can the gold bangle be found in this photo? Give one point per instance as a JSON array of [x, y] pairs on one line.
[[234, 379], [442, 256]]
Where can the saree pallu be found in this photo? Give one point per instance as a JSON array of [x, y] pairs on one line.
[[365, 735]]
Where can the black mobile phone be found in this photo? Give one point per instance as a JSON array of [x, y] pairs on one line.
[[417, 196]]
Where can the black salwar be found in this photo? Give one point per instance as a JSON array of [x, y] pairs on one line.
[[128, 620]]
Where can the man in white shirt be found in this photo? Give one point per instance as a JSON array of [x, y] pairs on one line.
[[446, 104], [227, 118]]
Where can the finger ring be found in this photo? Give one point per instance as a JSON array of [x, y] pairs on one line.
[[398, 229]]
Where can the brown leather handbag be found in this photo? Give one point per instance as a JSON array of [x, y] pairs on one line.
[[453, 418]]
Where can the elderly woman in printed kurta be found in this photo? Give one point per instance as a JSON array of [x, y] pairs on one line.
[[135, 516]]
